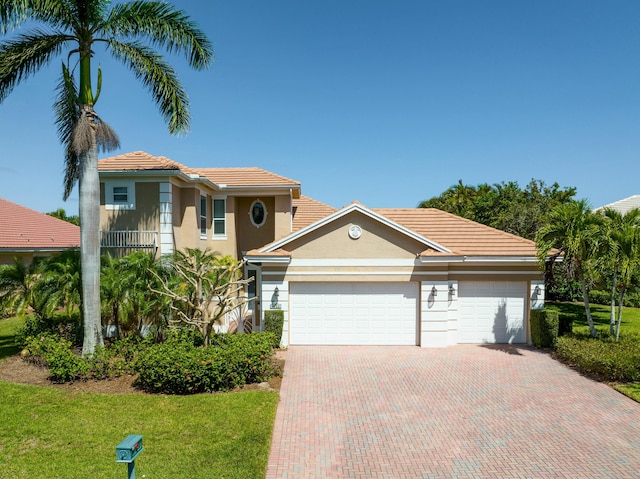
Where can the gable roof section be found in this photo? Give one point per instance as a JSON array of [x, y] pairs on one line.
[[22, 228], [462, 236], [446, 236], [623, 206], [345, 211]]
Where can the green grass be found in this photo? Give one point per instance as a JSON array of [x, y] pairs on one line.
[[49, 432], [600, 313], [8, 329], [632, 390]]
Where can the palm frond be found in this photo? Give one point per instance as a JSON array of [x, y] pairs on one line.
[[52, 12], [161, 80], [24, 56], [106, 137], [66, 116], [163, 26]]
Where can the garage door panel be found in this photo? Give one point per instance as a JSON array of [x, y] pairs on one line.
[[353, 313], [491, 312]]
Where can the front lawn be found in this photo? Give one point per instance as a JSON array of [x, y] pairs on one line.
[[603, 358], [52, 432], [600, 313]]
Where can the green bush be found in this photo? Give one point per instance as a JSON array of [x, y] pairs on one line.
[[57, 354], [116, 359], [544, 328], [273, 323], [184, 335], [631, 298], [67, 326], [604, 358], [181, 368]]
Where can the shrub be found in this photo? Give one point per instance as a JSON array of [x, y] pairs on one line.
[[597, 296], [273, 323], [117, 359], [544, 328], [604, 358], [56, 353], [184, 335], [67, 326], [181, 368]]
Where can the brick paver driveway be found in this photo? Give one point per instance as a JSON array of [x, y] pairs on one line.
[[459, 412]]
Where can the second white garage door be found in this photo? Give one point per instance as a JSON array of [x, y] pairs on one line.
[[491, 312], [353, 313]]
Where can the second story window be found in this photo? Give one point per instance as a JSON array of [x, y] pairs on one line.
[[203, 216], [219, 217], [258, 213], [120, 195]]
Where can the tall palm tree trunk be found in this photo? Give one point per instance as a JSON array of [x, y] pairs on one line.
[[89, 194]]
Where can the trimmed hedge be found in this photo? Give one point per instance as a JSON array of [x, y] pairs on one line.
[[181, 368], [604, 358], [273, 323], [544, 328]]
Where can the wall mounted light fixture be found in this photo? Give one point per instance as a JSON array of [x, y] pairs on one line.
[[434, 291]]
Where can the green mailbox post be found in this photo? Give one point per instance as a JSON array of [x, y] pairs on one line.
[[128, 450]]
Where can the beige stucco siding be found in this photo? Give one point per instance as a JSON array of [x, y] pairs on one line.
[[250, 236], [377, 241], [146, 215]]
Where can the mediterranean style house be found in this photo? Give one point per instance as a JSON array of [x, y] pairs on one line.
[[26, 234], [348, 276]]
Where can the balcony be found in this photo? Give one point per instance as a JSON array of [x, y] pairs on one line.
[[129, 240]]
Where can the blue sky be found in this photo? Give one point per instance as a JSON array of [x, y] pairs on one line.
[[384, 102]]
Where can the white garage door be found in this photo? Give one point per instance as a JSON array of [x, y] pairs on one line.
[[491, 311], [353, 313]]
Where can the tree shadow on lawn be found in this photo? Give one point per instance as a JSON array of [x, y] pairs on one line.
[[8, 347]]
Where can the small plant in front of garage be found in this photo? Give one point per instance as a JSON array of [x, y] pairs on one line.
[[544, 328], [273, 323]]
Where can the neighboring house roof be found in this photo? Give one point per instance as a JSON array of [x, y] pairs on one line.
[[444, 234], [24, 229], [307, 211], [623, 206], [221, 178]]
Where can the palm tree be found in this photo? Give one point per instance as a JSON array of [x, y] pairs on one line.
[[623, 258], [76, 27], [572, 234], [18, 289]]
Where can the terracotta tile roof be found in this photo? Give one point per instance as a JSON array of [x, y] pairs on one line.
[[24, 228], [461, 236], [140, 161], [307, 211], [238, 177], [251, 176]]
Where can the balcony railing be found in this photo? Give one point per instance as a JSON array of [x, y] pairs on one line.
[[129, 239]]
